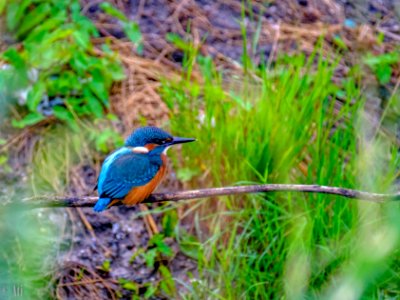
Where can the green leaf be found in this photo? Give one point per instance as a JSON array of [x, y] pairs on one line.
[[43, 29], [132, 31], [140, 251], [30, 119], [169, 221], [65, 84], [85, 24], [340, 42], [11, 16], [23, 6], [178, 41], [2, 141], [51, 56], [106, 266], [112, 11], [150, 257], [380, 38], [150, 291], [387, 58], [33, 18], [116, 71], [189, 245], [94, 104], [58, 34], [384, 74], [82, 38], [63, 114], [167, 284], [14, 58], [128, 285], [35, 95], [97, 85], [158, 241], [79, 62], [14, 78], [112, 117], [140, 48]]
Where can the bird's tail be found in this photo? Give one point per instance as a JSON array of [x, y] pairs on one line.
[[101, 204]]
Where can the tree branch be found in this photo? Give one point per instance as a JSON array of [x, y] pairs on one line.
[[88, 201]]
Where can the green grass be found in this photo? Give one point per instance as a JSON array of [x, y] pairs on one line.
[[281, 125]]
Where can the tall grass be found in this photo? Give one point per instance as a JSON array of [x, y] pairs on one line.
[[287, 125]]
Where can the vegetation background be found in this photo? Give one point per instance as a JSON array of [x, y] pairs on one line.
[[274, 91]]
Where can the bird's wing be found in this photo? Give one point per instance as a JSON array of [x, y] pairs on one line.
[[123, 172]]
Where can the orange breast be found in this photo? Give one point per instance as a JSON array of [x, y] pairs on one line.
[[138, 194]]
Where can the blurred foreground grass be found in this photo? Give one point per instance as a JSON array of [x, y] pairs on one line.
[[29, 243]]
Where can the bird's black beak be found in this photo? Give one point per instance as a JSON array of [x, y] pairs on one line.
[[181, 140]]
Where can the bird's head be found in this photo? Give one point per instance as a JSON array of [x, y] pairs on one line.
[[146, 139]]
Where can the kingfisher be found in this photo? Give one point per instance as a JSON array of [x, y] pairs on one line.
[[131, 173]]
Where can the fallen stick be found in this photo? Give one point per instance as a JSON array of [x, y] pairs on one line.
[[88, 201]]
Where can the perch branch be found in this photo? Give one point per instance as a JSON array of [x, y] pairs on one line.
[[88, 201]]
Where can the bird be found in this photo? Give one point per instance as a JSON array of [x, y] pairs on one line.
[[131, 173]]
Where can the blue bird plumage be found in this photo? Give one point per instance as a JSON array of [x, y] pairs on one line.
[[135, 165], [147, 135], [101, 204]]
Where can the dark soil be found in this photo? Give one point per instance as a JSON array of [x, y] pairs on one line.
[[119, 234], [216, 25]]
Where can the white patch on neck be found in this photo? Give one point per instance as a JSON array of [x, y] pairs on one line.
[[140, 150], [165, 150]]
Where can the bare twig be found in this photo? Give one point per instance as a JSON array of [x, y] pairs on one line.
[[87, 201]]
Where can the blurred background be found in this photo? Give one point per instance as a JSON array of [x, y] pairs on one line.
[[276, 91]]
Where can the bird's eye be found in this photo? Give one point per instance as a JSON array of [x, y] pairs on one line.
[[162, 141]]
